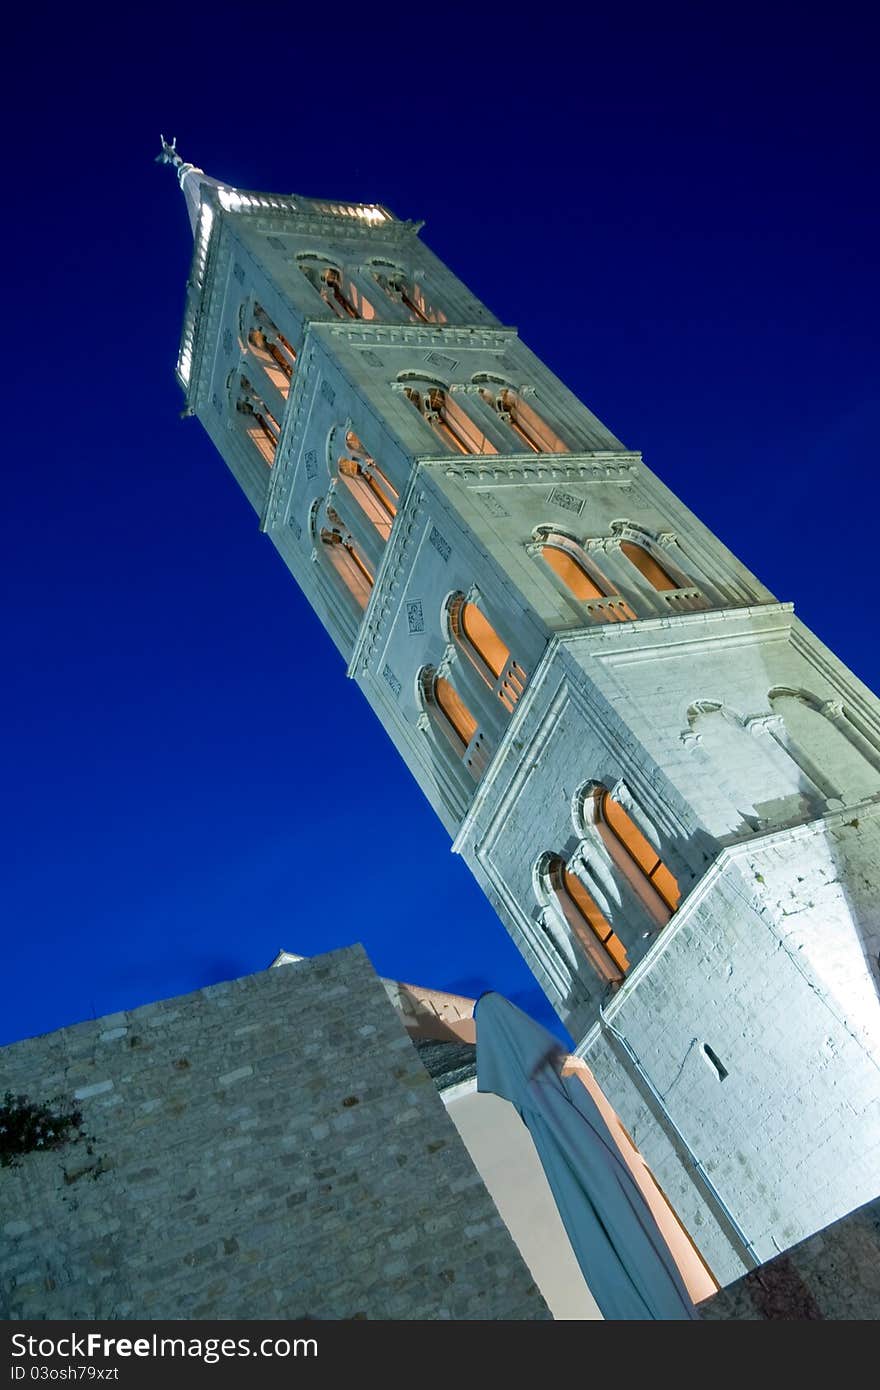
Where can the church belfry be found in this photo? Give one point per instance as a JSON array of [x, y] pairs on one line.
[[668, 788]]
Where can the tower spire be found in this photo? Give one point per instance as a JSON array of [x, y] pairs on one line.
[[190, 177]]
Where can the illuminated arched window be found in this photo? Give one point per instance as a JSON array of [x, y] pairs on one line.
[[371, 489], [523, 419], [581, 578], [346, 559], [602, 947], [456, 712], [402, 289], [626, 842], [483, 638], [271, 349], [649, 566], [446, 417], [338, 291], [259, 423], [488, 653]]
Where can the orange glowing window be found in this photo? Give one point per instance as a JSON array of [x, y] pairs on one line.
[[484, 639], [372, 491], [588, 909], [334, 294], [408, 293], [271, 350], [454, 426], [260, 424], [337, 290], [639, 850], [571, 572], [277, 368], [455, 710], [529, 427], [646, 564], [349, 565]]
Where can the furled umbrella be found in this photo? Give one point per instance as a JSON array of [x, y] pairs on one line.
[[615, 1239]]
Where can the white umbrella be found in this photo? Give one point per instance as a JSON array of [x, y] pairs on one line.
[[615, 1239]]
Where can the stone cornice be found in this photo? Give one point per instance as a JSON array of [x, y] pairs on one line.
[[586, 466], [330, 226], [372, 334]]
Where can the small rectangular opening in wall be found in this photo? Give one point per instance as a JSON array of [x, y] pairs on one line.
[[714, 1061]]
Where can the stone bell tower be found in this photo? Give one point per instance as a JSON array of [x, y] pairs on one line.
[[666, 785]]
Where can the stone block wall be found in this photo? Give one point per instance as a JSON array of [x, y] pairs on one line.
[[833, 1275], [270, 1147]]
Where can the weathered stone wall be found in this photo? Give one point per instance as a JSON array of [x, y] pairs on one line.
[[835, 1274], [271, 1147]]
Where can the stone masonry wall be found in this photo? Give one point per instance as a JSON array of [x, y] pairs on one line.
[[833, 1275], [270, 1147]]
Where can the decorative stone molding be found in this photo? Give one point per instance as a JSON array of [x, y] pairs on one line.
[[833, 709], [759, 724], [553, 467], [621, 793], [429, 335]]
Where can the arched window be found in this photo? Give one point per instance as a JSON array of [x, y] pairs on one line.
[[489, 655], [401, 289], [260, 424], [446, 417], [483, 638], [372, 490], [649, 566], [271, 349], [522, 419], [602, 947], [455, 710], [630, 849], [463, 743], [346, 559], [338, 291], [582, 579]]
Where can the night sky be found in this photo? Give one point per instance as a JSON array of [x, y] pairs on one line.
[[676, 206]]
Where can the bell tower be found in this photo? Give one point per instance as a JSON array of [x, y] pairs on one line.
[[666, 785]]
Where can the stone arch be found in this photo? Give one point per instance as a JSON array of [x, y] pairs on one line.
[[577, 577], [444, 414], [757, 775], [525, 423], [821, 737], [572, 913], [453, 725]]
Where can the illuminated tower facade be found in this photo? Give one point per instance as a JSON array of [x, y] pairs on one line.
[[667, 786]]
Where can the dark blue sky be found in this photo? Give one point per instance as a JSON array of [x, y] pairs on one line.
[[677, 207]]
